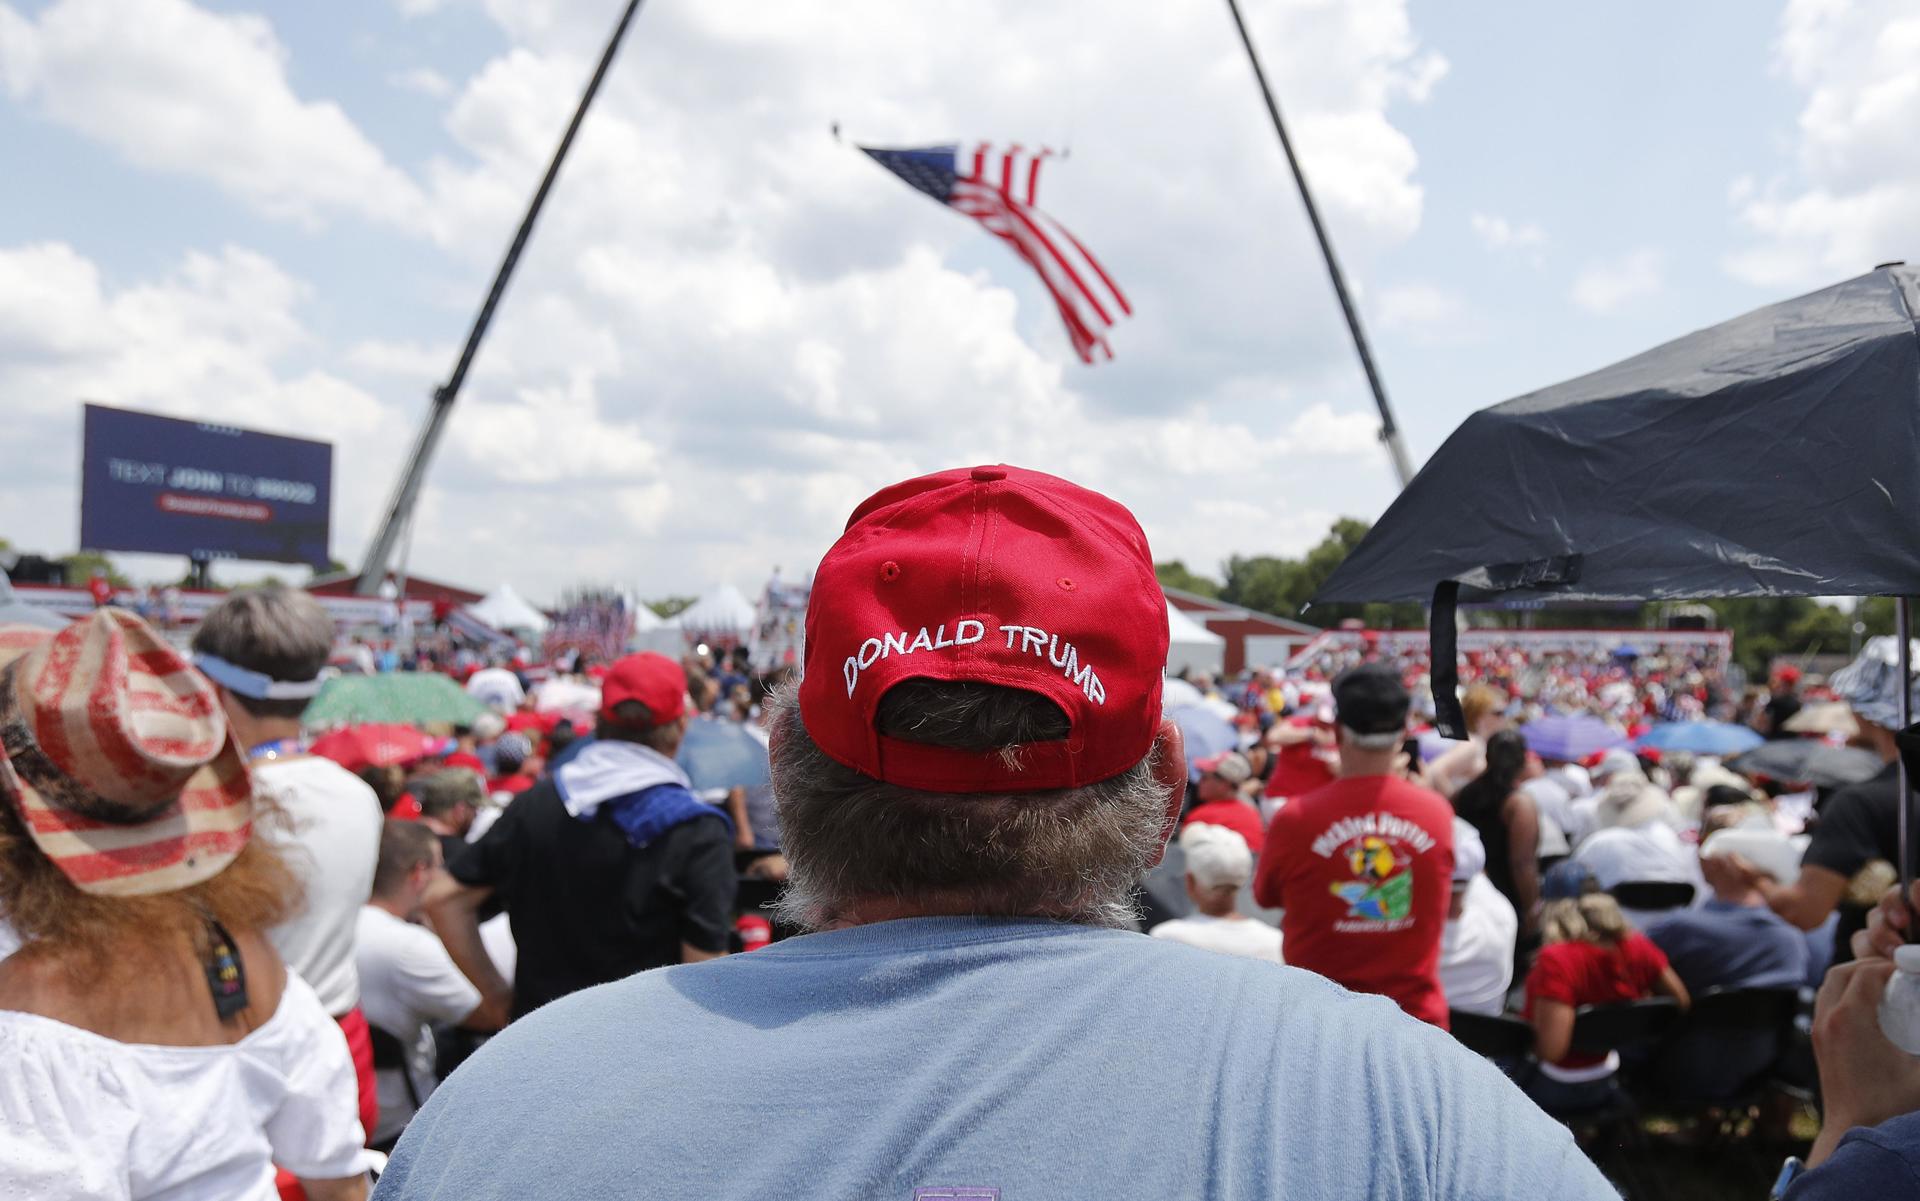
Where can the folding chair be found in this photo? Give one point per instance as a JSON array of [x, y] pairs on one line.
[[1625, 1028], [1504, 1040], [390, 1053], [1719, 1059]]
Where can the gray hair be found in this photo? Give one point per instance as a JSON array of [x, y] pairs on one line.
[[281, 632], [1072, 854], [1374, 742]]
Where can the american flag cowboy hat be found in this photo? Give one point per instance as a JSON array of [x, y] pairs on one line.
[[117, 757]]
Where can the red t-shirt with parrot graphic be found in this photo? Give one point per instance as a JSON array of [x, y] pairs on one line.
[[1363, 868]]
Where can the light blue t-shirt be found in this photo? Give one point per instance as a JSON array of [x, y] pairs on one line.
[[925, 1058]]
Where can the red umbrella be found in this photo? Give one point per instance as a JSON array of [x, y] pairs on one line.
[[356, 747]]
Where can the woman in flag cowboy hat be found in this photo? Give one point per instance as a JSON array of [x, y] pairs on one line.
[[155, 1045]]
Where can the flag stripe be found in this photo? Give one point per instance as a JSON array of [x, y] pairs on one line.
[[1018, 213], [1121, 297], [1083, 291], [1000, 220]]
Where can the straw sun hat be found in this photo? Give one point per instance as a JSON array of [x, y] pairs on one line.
[[116, 755]]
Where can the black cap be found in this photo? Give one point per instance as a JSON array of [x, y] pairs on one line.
[[1370, 699]]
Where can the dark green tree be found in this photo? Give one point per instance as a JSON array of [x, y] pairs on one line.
[[1174, 574], [81, 566]]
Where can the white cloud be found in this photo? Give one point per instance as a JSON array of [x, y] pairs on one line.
[[1319, 431], [424, 80], [1855, 197], [175, 88], [1498, 233], [728, 328], [1423, 75], [406, 360], [1603, 286], [1429, 314], [217, 337]]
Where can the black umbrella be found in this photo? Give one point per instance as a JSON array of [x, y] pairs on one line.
[[1771, 455], [1808, 761]]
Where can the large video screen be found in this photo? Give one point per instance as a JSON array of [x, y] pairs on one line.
[[166, 486]]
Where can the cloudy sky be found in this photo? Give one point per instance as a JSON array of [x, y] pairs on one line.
[[729, 328]]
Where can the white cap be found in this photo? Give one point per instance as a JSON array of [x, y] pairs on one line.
[[1469, 853], [1766, 849], [1616, 760], [1216, 856]]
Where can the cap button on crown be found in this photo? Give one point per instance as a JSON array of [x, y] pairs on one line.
[[986, 475]]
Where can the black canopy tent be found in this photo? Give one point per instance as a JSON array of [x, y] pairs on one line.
[[1776, 454]]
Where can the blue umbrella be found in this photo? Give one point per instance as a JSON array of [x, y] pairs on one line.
[[1699, 738], [1205, 732], [1570, 738], [719, 755]]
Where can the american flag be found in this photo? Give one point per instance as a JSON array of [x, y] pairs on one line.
[[996, 188]]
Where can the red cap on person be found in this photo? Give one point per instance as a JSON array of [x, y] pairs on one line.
[[996, 575], [755, 931], [654, 680]]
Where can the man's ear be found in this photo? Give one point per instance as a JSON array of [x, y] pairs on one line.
[[1170, 772]]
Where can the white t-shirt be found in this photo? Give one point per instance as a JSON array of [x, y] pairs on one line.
[[1583, 818], [496, 935], [407, 980], [496, 687], [1248, 937], [1476, 950], [88, 1118], [329, 831], [1551, 799]]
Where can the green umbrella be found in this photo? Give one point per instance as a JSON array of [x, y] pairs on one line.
[[413, 698]]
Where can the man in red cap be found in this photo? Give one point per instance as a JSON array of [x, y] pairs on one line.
[[608, 866], [972, 777], [1783, 701]]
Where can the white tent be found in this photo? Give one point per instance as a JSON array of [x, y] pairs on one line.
[[505, 609], [652, 632], [1191, 646], [724, 612]]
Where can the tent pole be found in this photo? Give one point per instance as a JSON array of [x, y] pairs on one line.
[[1903, 630], [406, 494], [1389, 429]]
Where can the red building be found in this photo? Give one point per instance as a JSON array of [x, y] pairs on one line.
[[1253, 639], [418, 588]]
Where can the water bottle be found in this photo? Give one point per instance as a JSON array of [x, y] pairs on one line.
[[1900, 1006]]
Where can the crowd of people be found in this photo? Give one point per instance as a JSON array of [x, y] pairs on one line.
[[1506, 877], [241, 963]]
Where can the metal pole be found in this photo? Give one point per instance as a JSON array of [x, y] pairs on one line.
[[400, 509], [1389, 431], [405, 624], [1903, 630]]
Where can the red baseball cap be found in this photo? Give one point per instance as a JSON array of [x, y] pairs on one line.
[[999, 575], [654, 680]]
